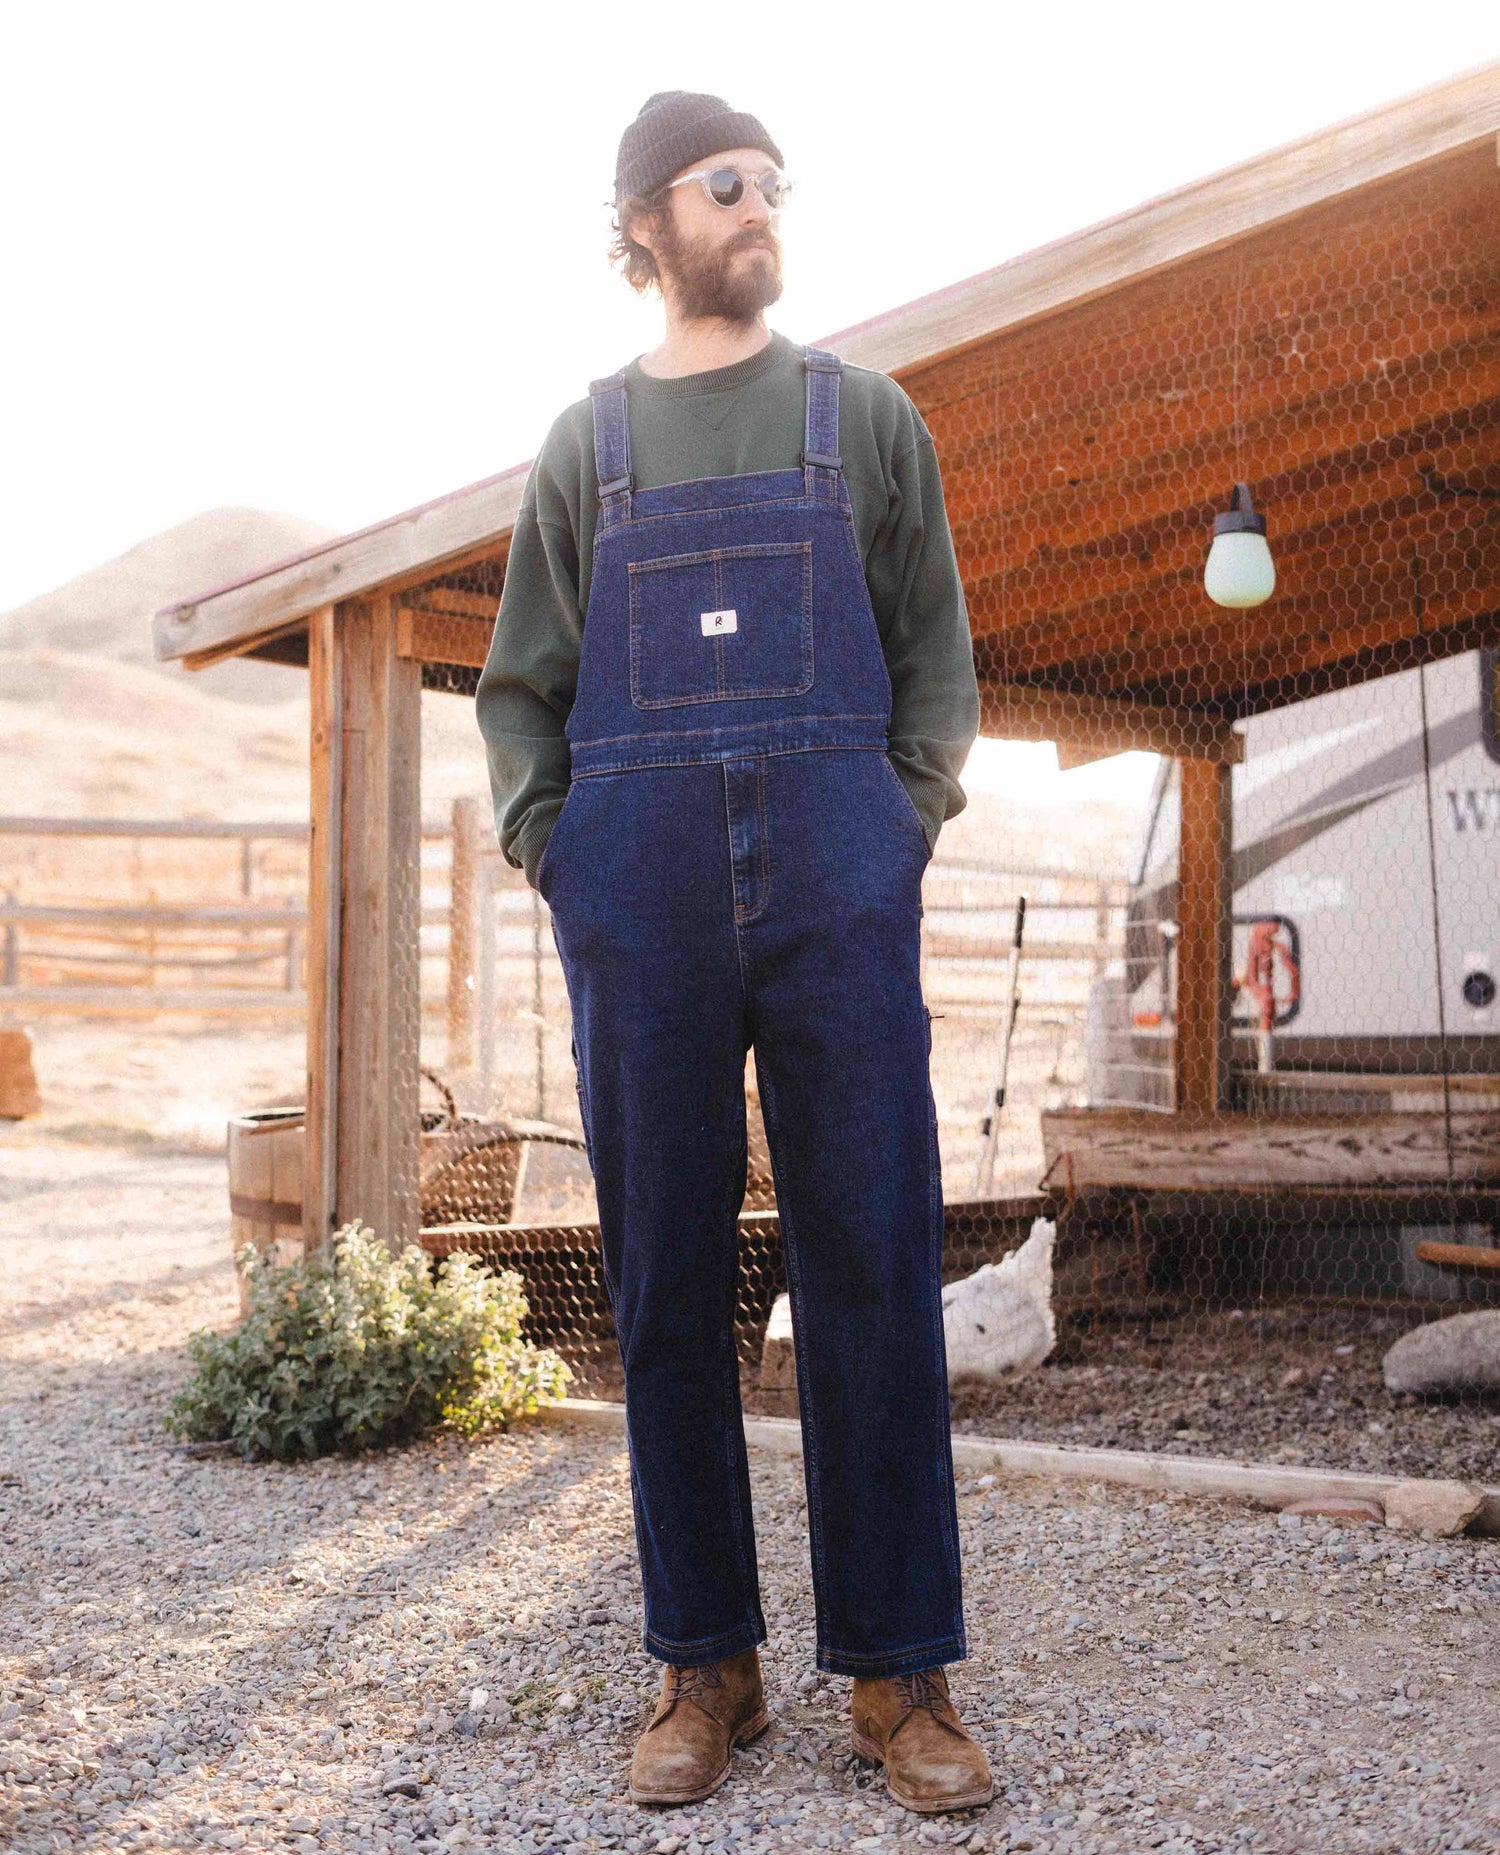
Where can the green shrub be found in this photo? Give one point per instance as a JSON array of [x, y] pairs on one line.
[[360, 1348]]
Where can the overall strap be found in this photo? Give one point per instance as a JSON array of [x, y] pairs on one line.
[[820, 440], [612, 447]]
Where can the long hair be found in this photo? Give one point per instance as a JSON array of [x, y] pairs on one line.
[[636, 264]]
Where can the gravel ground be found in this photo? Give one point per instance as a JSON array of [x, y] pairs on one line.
[[201, 1652], [1289, 1383]]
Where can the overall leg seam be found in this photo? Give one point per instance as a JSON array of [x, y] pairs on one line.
[[937, 1226], [805, 1403]]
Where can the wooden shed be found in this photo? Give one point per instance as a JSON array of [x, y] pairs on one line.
[[1322, 322]]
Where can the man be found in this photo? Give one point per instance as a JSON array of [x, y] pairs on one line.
[[727, 784]]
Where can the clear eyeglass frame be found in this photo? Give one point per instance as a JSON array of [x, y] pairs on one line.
[[780, 185]]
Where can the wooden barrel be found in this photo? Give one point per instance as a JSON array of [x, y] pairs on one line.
[[265, 1184]]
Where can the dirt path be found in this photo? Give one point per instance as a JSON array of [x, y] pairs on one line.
[[206, 1653]]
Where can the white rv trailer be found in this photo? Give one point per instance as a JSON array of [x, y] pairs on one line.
[[1366, 881]]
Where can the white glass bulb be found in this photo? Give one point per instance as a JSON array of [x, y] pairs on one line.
[[1239, 571]]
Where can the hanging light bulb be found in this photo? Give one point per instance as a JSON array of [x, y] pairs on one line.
[[1239, 571]]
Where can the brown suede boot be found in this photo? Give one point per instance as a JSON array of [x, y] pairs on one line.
[[908, 1724], [701, 1715]]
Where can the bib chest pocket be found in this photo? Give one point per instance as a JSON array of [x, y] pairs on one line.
[[721, 626]]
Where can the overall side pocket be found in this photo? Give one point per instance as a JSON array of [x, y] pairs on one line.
[[908, 810], [548, 858]]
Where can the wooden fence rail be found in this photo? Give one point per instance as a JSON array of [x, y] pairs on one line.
[[488, 916], [211, 938], [200, 941]]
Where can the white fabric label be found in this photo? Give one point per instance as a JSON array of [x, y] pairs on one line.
[[716, 623]]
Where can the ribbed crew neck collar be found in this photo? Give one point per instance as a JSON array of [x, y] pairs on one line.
[[776, 353]]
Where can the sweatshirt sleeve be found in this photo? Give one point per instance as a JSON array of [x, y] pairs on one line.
[[918, 600], [527, 686]]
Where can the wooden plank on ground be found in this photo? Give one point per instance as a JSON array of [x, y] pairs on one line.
[[1475, 1259], [1266, 1484], [1197, 1151]]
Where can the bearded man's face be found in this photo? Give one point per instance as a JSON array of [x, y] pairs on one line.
[[718, 263], [731, 278]]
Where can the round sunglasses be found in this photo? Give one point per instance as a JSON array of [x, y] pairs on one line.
[[725, 186]]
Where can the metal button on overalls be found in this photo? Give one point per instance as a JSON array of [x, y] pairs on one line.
[[737, 863]]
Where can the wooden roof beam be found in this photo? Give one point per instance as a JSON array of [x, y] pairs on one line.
[[1093, 727], [1185, 223], [406, 550]]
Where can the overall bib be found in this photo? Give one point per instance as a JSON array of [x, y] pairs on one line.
[[737, 863]]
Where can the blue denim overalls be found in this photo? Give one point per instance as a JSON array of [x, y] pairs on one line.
[[738, 863]]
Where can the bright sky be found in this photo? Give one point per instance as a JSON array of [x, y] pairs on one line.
[[336, 259]]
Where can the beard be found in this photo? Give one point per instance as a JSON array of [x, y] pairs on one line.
[[714, 281]]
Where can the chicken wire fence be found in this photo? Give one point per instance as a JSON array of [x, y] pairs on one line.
[[1226, 1279]]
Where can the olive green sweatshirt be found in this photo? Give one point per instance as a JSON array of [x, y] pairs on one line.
[[730, 421]]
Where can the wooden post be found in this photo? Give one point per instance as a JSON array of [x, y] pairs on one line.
[[1204, 948], [470, 821], [364, 922], [326, 737], [487, 990]]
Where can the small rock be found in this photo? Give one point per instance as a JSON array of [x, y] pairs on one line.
[[1461, 1353], [402, 1787], [1441, 1508], [1337, 1507]]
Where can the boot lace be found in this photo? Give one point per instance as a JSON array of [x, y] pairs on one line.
[[684, 1683], [923, 1689]]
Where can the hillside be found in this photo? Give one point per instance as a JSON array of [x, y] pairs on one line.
[[106, 612], [84, 736]]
